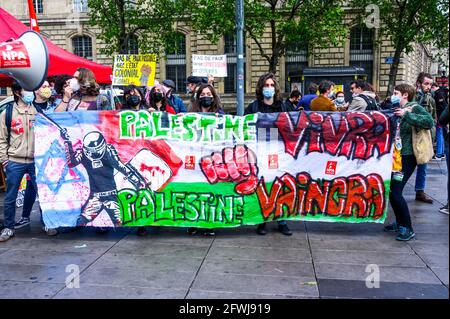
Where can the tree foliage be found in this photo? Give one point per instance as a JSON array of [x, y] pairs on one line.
[[406, 22]]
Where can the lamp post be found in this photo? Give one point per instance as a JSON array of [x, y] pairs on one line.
[[240, 56]]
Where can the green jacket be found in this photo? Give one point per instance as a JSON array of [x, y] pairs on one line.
[[418, 118], [428, 103]]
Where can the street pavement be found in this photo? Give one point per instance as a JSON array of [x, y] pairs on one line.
[[320, 260]]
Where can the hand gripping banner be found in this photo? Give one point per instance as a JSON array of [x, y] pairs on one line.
[[135, 168]]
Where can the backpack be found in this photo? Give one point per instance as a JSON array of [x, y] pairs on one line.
[[8, 118], [372, 105]]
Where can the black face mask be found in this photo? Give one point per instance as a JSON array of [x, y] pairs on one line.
[[206, 101], [158, 96], [133, 100]]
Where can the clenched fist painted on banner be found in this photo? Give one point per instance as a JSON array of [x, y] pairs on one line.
[[135, 168]]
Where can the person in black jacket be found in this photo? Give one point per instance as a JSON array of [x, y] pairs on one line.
[[268, 100]]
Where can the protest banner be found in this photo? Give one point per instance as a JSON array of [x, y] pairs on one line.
[[137, 69], [135, 168], [204, 65]]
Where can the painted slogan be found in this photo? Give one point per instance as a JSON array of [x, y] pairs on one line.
[[136, 168]]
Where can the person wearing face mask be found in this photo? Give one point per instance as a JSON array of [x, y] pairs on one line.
[[340, 103], [206, 101], [134, 99], [83, 93], [268, 100], [174, 100], [412, 116], [17, 154], [323, 102], [157, 100], [43, 98]]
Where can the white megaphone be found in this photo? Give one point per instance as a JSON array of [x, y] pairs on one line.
[[26, 60]]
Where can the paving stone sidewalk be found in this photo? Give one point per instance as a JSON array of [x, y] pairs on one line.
[[320, 260]]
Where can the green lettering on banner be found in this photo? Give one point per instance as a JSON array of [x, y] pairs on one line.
[[178, 205], [192, 212], [207, 123], [157, 122], [162, 211], [250, 127], [143, 126], [127, 199], [188, 121], [145, 204]]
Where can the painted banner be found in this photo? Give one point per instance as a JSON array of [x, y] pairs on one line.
[[135, 168], [137, 69], [204, 65]]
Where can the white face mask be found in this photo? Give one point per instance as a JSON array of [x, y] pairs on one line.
[[74, 85]]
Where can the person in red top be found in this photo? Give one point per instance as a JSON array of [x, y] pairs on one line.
[[157, 100]]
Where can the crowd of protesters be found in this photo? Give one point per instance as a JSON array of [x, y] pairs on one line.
[[424, 106]]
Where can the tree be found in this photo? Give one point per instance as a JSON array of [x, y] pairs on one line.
[[316, 22], [406, 22], [151, 22]]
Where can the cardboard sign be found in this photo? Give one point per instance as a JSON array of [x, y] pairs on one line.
[[137, 69], [204, 65]]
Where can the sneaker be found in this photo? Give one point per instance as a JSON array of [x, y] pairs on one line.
[[444, 209], [284, 229], [24, 221], [208, 232], [391, 228], [50, 231], [6, 234], [261, 229], [192, 231], [405, 234], [141, 231]]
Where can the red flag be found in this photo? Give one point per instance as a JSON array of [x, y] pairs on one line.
[[33, 18]]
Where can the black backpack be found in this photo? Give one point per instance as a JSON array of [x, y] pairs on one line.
[[8, 118], [372, 105]]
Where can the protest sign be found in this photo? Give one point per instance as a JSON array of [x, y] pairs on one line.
[[204, 65], [135, 168], [134, 69]]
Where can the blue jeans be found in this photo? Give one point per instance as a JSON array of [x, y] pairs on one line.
[[439, 141], [14, 174], [421, 177]]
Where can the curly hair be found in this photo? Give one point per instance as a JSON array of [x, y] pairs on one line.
[[60, 83], [260, 86], [216, 106], [88, 84]]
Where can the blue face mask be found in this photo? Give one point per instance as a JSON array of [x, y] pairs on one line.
[[395, 99], [269, 92], [28, 97], [340, 99]]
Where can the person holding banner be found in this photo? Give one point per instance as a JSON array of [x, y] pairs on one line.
[[157, 100], [83, 93], [268, 100], [413, 116], [207, 100], [133, 98], [17, 154]]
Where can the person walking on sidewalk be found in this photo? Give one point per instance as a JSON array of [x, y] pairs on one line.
[[412, 116], [17, 153], [424, 98], [268, 100]]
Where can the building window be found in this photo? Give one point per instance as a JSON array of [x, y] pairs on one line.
[[38, 6], [296, 60], [133, 45], [230, 50], [361, 49], [80, 5], [176, 62], [82, 46]]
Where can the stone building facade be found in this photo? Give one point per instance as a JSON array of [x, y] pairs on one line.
[[65, 22]]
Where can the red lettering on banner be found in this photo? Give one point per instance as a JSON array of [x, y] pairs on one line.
[[14, 54], [355, 135], [355, 196]]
